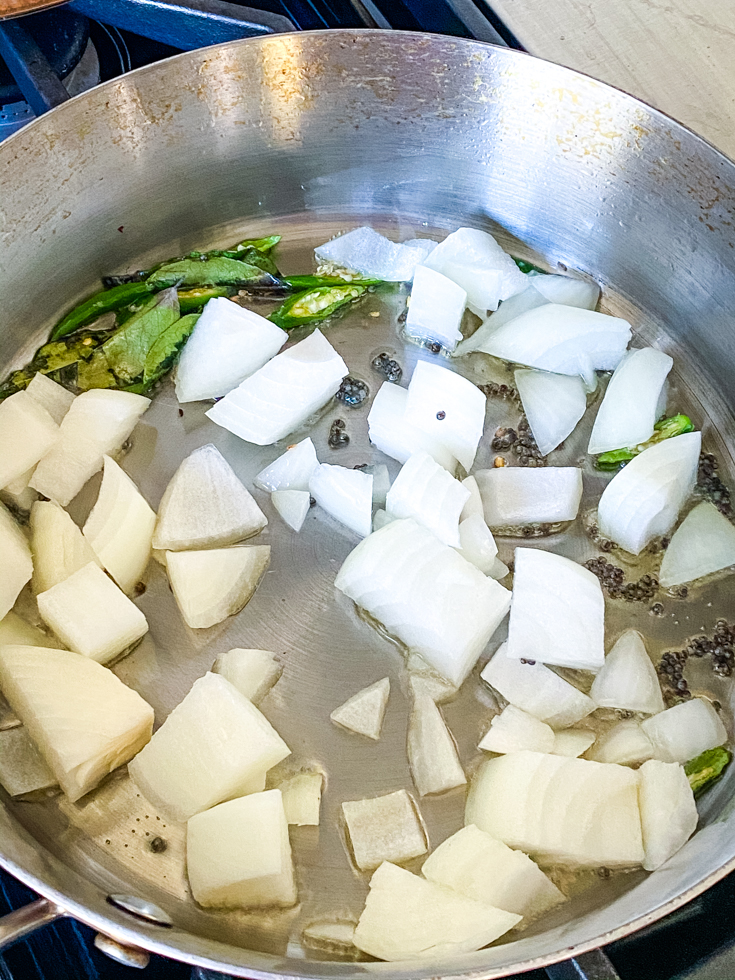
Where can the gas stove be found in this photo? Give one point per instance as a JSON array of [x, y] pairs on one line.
[[48, 56]]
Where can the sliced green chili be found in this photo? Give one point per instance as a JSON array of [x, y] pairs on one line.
[[103, 302], [675, 425], [315, 305]]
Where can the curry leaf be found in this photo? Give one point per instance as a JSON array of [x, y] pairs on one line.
[[164, 351], [215, 271], [127, 350]]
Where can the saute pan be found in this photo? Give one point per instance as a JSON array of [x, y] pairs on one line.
[[306, 135]]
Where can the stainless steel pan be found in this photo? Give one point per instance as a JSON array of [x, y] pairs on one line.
[[307, 134]]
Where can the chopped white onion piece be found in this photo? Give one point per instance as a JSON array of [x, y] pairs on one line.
[[499, 570], [393, 435], [474, 501], [477, 544], [373, 255], [625, 744], [82, 717], [19, 496], [292, 505], [363, 713], [537, 690], [553, 404], [432, 754], [334, 935], [426, 595], [573, 742], [91, 615], [238, 854], [559, 810], [51, 396], [407, 917], [58, 546], [425, 491], [668, 811], [703, 543], [292, 470], [252, 672], [27, 432], [210, 747], [436, 308], [386, 828], [211, 585], [346, 495], [514, 730], [229, 343], [120, 527], [22, 767], [205, 506], [97, 424], [508, 310], [381, 482], [557, 614], [427, 682], [302, 797], [448, 407], [282, 395], [562, 339], [628, 410], [475, 261], [515, 496], [628, 679], [683, 732], [474, 864], [15, 631], [566, 291], [643, 500]]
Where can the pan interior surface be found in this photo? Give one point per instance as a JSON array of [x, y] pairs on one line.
[[306, 136]]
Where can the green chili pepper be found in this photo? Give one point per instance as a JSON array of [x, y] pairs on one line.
[[675, 425], [314, 305], [707, 768], [527, 267], [312, 282], [192, 300], [102, 302]]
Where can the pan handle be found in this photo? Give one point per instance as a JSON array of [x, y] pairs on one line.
[[27, 919], [594, 965]]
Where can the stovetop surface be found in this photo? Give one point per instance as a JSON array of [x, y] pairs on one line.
[[698, 941]]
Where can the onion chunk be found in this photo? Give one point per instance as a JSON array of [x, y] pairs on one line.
[[628, 679], [346, 495], [292, 470], [703, 543], [432, 754], [27, 432], [629, 409], [474, 864], [557, 614], [394, 435], [229, 343], [22, 767], [91, 615], [437, 306], [553, 404], [537, 690], [211, 585], [82, 717], [283, 394], [426, 595], [625, 744], [559, 810], [408, 917], [302, 796], [120, 527], [363, 713], [514, 730], [668, 811], [58, 546], [371, 254], [681, 733], [449, 408], [425, 491], [386, 828], [15, 561], [514, 497], [643, 500], [238, 854], [205, 506], [212, 747], [252, 672], [292, 505]]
